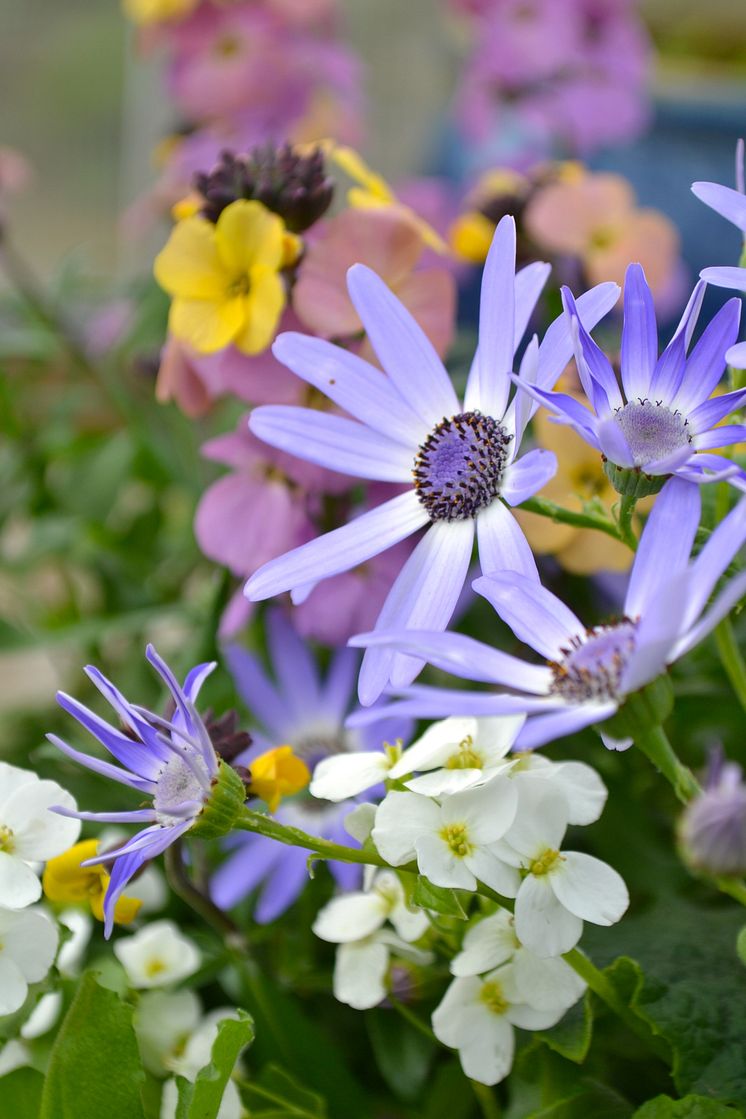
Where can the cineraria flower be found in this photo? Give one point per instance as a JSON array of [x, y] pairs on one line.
[[73, 878], [173, 761], [452, 840], [588, 672], [29, 832], [307, 712], [28, 945], [224, 278], [730, 204], [355, 922], [712, 830], [665, 422], [477, 1016], [157, 955], [558, 889], [545, 983], [459, 459]]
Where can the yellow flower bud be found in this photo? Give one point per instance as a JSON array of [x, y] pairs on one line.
[[276, 774]]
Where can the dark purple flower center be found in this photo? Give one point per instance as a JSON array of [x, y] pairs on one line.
[[592, 665], [652, 430], [459, 467]]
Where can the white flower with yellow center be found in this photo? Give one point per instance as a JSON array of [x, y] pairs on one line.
[[451, 840], [477, 1017], [560, 889], [29, 832], [157, 955], [28, 945]]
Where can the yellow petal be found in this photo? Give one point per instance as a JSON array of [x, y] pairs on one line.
[[471, 236], [66, 881], [189, 265], [207, 326], [125, 909], [247, 235], [278, 773], [262, 309], [188, 206], [353, 165]]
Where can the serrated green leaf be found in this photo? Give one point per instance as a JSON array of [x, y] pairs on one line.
[[201, 1098], [691, 1107], [94, 1068], [288, 1098], [438, 898], [403, 1055], [571, 1037], [20, 1093]]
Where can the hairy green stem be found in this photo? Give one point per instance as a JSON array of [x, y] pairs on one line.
[[560, 515], [626, 513]]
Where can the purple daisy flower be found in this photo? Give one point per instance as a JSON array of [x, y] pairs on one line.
[[587, 673], [307, 712], [459, 460], [664, 421], [731, 205], [173, 761]]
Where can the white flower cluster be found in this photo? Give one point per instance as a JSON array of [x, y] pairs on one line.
[[29, 835], [466, 811]]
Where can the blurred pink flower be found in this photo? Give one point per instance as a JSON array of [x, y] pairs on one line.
[[387, 242]]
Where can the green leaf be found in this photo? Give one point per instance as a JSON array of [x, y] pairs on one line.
[[450, 1094], [593, 1101], [20, 1092], [403, 1055], [201, 1098], [571, 1037], [438, 898], [691, 1107], [289, 1099], [689, 985], [94, 1068]]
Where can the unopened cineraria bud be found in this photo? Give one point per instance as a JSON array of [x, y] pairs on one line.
[[288, 183], [712, 830]]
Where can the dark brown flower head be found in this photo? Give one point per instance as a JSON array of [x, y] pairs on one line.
[[289, 184]]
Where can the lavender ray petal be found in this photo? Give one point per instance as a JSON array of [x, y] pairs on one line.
[[283, 886], [106, 769], [595, 370], [128, 864], [613, 442], [542, 729], [722, 606], [136, 816], [527, 475], [707, 359], [529, 284], [736, 355], [294, 667], [438, 703], [353, 384], [639, 335], [556, 347], [488, 385], [715, 409], [535, 615], [502, 544], [339, 685], [671, 366], [196, 677], [354, 543], [128, 712], [332, 441], [729, 203], [665, 544], [726, 540], [254, 858], [256, 690], [402, 347], [725, 277], [139, 759], [722, 436], [568, 409]]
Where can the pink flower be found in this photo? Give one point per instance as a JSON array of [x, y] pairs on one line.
[[387, 242]]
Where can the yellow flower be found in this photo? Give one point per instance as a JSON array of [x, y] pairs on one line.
[[224, 278], [155, 11], [374, 193], [276, 774], [471, 235], [67, 882]]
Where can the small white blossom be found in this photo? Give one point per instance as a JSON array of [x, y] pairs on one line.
[[361, 969], [560, 889], [72, 951], [195, 1056], [459, 753], [545, 984], [157, 955], [28, 945], [356, 915], [29, 832], [452, 840], [477, 1016], [164, 1021], [582, 787], [345, 775]]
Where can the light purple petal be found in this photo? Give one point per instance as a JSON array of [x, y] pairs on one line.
[[639, 335], [598, 377], [106, 769], [707, 359], [423, 596], [736, 355], [613, 442], [403, 349], [671, 366], [333, 441], [722, 436], [521, 406], [196, 677], [283, 886], [671, 463], [726, 540], [137, 758], [529, 284], [136, 816], [464, 656], [567, 407], [439, 703], [556, 347], [253, 859], [729, 203], [665, 544], [502, 544], [353, 384], [339, 685], [346, 875], [341, 549], [541, 729], [128, 864], [536, 616], [257, 691], [656, 634], [489, 383], [723, 604], [526, 476], [128, 712], [294, 667], [715, 409], [725, 277]]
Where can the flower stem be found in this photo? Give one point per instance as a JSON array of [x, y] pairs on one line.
[[409, 1016], [654, 744], [489, 1106], [181, 884], [626, 513], [731, 658], [560, 515]]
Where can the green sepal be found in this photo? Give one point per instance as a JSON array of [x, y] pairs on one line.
[[642, 710], [631, 481], [224, 805]]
